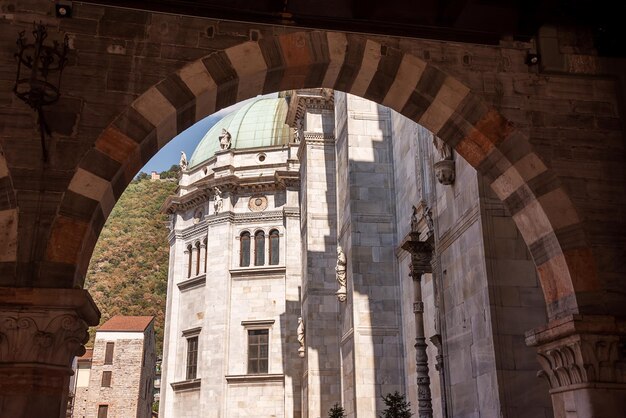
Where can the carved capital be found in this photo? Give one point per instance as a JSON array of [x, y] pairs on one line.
[[421, 255], [580, 351], [44, 326]]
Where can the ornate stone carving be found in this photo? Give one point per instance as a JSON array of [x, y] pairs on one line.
[[225, 139], [257, 203], [340, 270], [445, 172], [40, 339], [444, 168], [183, 161], [421, 254], [197, 217], [582, 359], [301, 348], [217, 200]]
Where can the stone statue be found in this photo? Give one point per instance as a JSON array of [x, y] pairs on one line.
[[341, 275], [217, 200], [297, 130], [414, 220], [224, 139], [183, 161], [301, 337], [445, 152]]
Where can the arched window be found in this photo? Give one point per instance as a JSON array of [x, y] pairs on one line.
[[274, 247], [244, 249], [259, 248], [190, 260], [197, 258]]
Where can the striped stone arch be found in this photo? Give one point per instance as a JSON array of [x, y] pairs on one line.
[[540, 206]]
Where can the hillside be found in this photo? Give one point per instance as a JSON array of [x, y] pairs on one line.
[[128, 270]]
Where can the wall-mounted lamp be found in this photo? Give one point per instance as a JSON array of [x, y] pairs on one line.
[[532, 59], [38, 79], [63, 10]]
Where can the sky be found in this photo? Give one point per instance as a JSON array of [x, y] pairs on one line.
[[188, 140]]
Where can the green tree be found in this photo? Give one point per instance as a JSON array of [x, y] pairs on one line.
[[397, 406], [336, 412], [127, 274]]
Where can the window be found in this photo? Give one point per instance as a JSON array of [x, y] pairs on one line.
[[106, 379], [108, 354], [259, 248], [192, 357], [189, 261], [103, 411], [274, 247], [197, 258], [257, 350], [244, 253]]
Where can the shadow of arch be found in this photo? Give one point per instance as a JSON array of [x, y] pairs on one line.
[[539, 204]]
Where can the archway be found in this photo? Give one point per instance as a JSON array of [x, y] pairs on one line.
[[539, 204]]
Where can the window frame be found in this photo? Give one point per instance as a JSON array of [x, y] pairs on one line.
[[255, 325], [258, 360], [259, 250], [245, 236], [108, 354], [107, 377], [274, 236], [105, 408], [191, 363]]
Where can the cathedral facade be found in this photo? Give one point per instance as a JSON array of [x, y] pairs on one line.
[[318, 260]]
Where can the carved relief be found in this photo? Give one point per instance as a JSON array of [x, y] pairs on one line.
[[582, 359], [225, 139], [341, 275], [257, 203], [301, 349]]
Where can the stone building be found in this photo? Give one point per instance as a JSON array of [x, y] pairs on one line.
[[274, 247], [115, 378], [529, 94]]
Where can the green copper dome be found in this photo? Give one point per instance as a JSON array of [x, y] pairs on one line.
[[260, 123]]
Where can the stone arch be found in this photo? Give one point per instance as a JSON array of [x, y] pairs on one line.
[[539, 204]]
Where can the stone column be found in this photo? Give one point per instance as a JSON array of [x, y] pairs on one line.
[[41, 330], [583, 359], [421, 253], [203, 255]]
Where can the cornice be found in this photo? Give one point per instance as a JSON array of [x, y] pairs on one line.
[[279, 180]]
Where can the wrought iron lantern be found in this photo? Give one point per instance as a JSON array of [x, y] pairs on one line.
[[38, 79]]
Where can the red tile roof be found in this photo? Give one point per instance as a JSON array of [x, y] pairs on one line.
[[87, 356], [127, 323]]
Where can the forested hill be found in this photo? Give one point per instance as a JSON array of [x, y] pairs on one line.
[[128, 270]]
